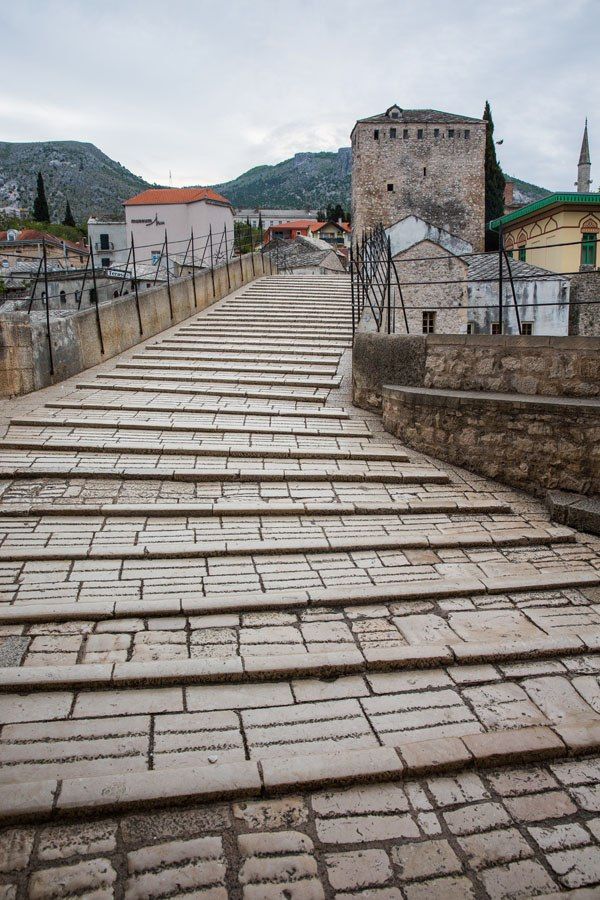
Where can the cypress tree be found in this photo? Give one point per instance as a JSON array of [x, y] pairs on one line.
[[494, 182], [68, 219], [41, 213]]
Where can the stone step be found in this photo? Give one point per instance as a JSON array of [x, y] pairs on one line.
[[173, 424], [292, 600], [144, 549], [193, 448], [235, 507], [319, 396], [111, 466], [248, 669], [216, 376], [163, 362], [169, 348], [317, 412], [238, 343], [172, 358]]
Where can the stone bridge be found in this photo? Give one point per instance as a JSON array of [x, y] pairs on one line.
[[252, 646]]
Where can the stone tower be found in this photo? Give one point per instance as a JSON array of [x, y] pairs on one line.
[[420, 162], [584, 168]]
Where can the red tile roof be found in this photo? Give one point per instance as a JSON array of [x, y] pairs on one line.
[[293, 226], [167, 196], [32, 234], [318, 225]]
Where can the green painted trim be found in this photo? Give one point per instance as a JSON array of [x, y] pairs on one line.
[[551, 200]]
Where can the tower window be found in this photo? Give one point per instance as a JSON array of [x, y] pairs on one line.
[[424, 171], [420, 134], [405, 134], [390, 186], [436, 132], [376, 134], [428, 322], [451, 132], [467, 134], [392, 132], [588, 249]]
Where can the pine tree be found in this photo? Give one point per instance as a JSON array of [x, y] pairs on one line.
[[41, 213], [494, 182], [68, 219]]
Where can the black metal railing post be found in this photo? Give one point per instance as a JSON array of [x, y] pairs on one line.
[[212, 261], [227, 257], [351, 261], [168, 275], [98, 323], [48, 330], [135, 287], [193, 270]]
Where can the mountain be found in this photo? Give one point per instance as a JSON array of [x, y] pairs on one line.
[[306, 181], [524, 192], [94, 183]]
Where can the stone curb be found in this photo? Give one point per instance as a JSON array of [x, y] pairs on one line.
[[216, 451], [97, 795], [272, 508], [255, 602], [164, 550], [152, 372], [321, 412], [273, 667], [175, 388], [417, 476]]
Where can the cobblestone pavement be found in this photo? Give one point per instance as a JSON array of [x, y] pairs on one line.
[[355, 670]]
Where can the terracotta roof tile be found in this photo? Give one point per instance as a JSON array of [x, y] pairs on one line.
[[168, 196]]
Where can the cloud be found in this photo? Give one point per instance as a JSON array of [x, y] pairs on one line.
[[209, 90]]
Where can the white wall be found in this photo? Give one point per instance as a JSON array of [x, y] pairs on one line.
[[117, 236], [147, 224], [531, 295]]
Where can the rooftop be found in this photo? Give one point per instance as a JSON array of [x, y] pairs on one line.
[[573, 198], [395, 113], [170, 196]]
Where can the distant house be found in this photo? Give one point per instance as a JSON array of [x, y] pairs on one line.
[[21, 252], [178, 211], [108, 240], [266, 217], [332, 232], [305, 256]]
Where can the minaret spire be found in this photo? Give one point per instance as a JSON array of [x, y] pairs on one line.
[[584, 167]]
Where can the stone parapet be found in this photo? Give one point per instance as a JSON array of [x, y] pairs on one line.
[[76, 346], [530, 443]]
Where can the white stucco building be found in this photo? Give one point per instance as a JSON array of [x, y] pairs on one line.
[[268, 217], [108, 240], [177, 211]]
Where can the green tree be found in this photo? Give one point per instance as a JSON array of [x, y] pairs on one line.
[[68, 219], [494, 182], [41, 213]]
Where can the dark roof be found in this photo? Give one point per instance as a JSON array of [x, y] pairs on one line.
[[299, 252], [485, 265], [418, 116]]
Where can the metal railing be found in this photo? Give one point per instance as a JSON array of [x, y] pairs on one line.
[[378, 279]]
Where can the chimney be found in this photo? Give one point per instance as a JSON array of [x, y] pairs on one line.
[[509, 188]]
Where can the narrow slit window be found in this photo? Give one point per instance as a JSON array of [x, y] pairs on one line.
[[376, 134], [390, 186]]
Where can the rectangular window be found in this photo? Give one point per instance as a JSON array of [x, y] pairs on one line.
[[523, 254], [467, 134], [428, 322], [105, 262], [376, 134], [588, 249], [405, 134], [390, 186], [526, 327], [392, 132], [496, 328], [419, 134], [451, 132], [424, 171], [470, 327], [104, 242], [436, 132]]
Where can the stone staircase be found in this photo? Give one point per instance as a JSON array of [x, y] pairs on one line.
[[218, 579]]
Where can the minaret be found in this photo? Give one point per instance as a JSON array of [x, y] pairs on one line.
[[584, 168]]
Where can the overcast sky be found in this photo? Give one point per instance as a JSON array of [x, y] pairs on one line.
[[210, 89]]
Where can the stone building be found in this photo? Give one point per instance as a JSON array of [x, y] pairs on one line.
[[434, 289], [420, 162]]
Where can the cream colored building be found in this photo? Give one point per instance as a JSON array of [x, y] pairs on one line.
[[178, 211]]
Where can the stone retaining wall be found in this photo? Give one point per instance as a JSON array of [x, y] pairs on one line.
[[532, 444], [24, 352], [549, 366]]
